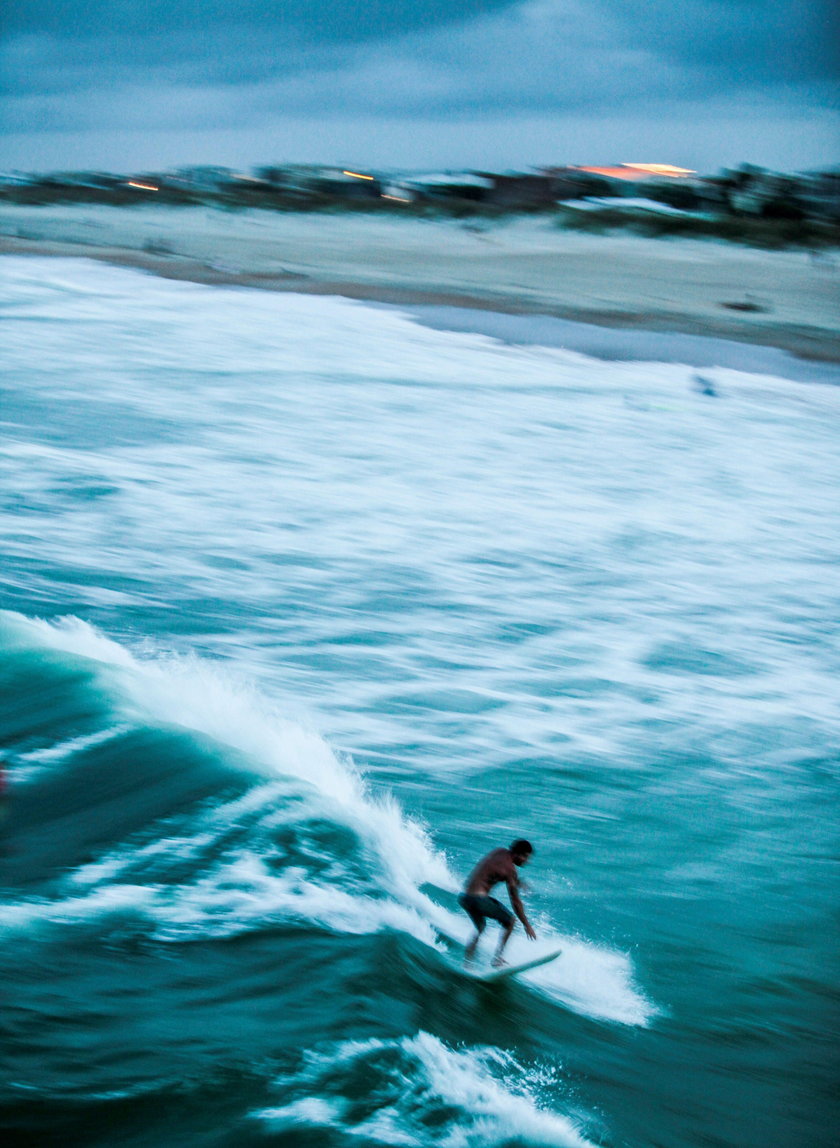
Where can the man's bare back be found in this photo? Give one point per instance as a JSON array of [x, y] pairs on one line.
[[495, 867]]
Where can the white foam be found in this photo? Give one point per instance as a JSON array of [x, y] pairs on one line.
[[109, 900], [48, 755], [309, 1111], [39, 761], [496, 1098], [243, 893], [592, 980]]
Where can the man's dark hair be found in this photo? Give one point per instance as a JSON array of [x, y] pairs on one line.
[[523, 847]]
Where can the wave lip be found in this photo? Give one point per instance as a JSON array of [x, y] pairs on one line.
[[193, 695], [418, 1091]]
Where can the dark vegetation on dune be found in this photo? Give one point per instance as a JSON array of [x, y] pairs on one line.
[[780, 221]]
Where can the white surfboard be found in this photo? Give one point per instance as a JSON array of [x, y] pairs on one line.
[[512, 970]]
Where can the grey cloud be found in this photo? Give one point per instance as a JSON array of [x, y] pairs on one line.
[[228, 42], [205, 63], [776, 39], [294, 21]]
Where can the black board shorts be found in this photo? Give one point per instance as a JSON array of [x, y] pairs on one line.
[[479, 908]]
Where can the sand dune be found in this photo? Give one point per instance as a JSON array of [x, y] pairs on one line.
[[783, 299]]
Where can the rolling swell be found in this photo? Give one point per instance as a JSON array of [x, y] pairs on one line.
[[202, 914], [159, 769]]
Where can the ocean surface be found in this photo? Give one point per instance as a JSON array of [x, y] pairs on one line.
[[305, 605]]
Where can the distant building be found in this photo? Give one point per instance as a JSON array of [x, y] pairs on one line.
[[316, 180], [576, 183], [518, 191], [16, 179], [754, 191], [101, 180], [201, 178], [819, 192], [448, 185]]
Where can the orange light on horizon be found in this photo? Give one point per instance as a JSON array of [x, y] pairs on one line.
[[620, 172], [357, 175], [631, 171], [660, 168], [143, 186]]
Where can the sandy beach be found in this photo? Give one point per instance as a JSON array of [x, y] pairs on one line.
[[521, 266]]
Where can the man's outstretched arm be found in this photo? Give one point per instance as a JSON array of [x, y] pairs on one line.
[[519, 909]]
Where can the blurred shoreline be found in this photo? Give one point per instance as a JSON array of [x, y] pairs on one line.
[[788, 300]]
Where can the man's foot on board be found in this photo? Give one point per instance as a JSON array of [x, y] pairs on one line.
[[499, 962]]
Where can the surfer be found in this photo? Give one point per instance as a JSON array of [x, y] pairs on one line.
[[499, 865]]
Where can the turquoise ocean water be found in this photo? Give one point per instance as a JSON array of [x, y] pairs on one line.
[[304, 606]]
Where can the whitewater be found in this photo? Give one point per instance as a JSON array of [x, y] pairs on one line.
[[306, 604]]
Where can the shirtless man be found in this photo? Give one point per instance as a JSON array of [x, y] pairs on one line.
[[498, 865]]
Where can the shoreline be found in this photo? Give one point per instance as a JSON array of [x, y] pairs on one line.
[[777, 300], [624, 344]]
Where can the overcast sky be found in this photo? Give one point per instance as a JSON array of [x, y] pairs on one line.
[[130, 85]]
